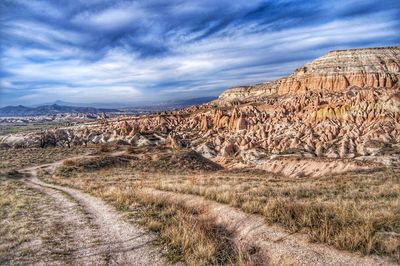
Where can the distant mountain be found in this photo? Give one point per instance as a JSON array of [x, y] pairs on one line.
[[53, 109], [60, 107], [193, 101], [74, 104], [168, 104], [150, 107]]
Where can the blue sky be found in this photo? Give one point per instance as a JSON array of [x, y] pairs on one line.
[[129, 51]]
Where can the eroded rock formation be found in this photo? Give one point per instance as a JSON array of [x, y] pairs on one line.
[[338, 70], [249, 92], [342, 106]]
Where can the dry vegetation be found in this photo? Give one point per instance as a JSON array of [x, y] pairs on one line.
[[25, 127], [28, 232], [358, 212], [172, 161], [189, 234], [19, 158]]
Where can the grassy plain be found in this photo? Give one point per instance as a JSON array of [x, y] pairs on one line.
[[358, 212]]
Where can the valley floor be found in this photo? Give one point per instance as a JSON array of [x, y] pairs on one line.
[[196, 213]]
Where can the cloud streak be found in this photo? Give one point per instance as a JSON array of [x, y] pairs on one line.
[[126, 51]]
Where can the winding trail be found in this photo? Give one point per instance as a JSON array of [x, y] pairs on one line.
[[125, 243], [117, 242], [275, 245]]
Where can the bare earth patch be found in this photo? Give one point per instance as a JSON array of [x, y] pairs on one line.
[[119, 241], [38, 227]]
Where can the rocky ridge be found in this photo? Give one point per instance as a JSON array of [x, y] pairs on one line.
[[338, 70], [249, 92], [344, 106]]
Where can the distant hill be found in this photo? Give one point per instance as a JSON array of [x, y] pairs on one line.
[[133, 104], [168, 105], [53, 109], [194, 101], [60, 107]]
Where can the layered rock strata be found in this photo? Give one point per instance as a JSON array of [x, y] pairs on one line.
[[249, 92], [338, 70]]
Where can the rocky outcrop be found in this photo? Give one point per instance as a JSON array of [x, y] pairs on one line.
[[338, 70], [244, 93]]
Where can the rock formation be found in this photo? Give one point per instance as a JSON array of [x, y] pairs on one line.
[[338, 70], [342, 106], [246, 92]]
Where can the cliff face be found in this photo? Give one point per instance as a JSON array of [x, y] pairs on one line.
[[333, 72], [338, 70], [248, 92]]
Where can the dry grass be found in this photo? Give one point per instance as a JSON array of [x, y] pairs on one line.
[[15, 218], [19, 158], [28, 234], [104, 148], [189, 234], [169, 160], [6, 129], [69, 163], [71, 167], [359, 212], [355, 212]]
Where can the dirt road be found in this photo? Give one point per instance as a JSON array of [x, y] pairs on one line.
[[124, 243], [101, 237], [275, 245]]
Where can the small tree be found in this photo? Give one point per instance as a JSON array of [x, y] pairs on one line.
[[87, 136], [47, 138], [65, 137]]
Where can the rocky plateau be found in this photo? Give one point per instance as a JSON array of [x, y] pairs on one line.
[[340, 112]]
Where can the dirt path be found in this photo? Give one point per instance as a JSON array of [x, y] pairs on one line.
[[275, 244], [102, 237], [124, 242]]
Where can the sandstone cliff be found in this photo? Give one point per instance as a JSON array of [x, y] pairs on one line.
[[338, 70], [254, 92]]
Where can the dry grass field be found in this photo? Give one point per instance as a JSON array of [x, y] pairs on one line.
[[19, 158], [9, 128], [358, 212], [30, 229], [189, 234], [355, 211]]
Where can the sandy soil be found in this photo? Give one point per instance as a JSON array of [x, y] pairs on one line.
[[300, 167]]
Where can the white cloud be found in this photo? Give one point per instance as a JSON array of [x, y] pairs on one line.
[[243, 56], [5, 84], [40, 33], [42, 8], [85, 94], [111, 18]]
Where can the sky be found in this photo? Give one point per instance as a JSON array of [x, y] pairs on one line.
[[98, 51]]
